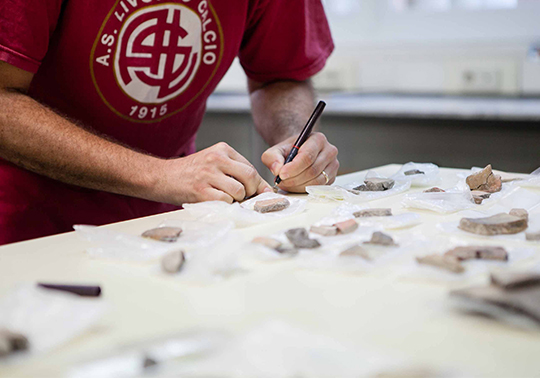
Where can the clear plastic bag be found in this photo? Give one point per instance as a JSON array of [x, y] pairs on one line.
[[242, 214], [533, 181], [278, 349], [47, 318], [130, 361], [346, 211], [451, 227], [413, 270], [429, 177], [343, 193], [122, 246], [450, 201]]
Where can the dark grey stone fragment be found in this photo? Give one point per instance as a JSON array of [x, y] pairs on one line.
[[413, 172], [299, 237]]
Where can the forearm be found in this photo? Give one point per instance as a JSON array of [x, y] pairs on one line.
[[34, 137], [281, 109]]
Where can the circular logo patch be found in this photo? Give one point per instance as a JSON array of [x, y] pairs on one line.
[[150, 62]]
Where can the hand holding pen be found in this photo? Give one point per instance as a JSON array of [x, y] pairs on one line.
[[303, 160]]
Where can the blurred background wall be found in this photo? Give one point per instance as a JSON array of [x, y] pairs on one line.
[[454, 82]]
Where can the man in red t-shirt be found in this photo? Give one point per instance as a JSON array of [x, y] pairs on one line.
[[100, 102]]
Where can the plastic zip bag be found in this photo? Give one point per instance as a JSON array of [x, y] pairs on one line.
[[533, 181], [47, 318], [242, 214], [451, 227], [346, 211], [130, 361], [450, 201], [122, 246], [343, 193], [429, 177], [278, 349]]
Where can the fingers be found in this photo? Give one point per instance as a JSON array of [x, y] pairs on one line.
[[274, 157], [327, 155], [236, 166], [229, 186], [248, 176], [331, 170], [307, 156], [213, 194]]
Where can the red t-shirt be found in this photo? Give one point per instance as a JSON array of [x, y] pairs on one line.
[[139, 71]]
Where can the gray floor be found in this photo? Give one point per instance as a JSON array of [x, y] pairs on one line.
[[368, 142]]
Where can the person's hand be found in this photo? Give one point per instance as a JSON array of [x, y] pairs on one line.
[[315, 156], [217, 173]]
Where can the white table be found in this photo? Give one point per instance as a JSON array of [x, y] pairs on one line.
[[399, 316]]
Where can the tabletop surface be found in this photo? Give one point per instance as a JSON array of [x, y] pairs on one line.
[[406, 317]]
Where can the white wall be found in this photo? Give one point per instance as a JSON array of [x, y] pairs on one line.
[[451, 52]]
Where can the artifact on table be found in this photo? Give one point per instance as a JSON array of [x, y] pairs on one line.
[[380, 238], [324, 230], [494, 225], [532, 236], [356, 251], [164, 234], [373, 213], [479, 196], [485, 180], [450, 263], [413, 172], [271, 205], [274, 244], [524, 300], [346, 227], [375, 185], [11, 342], [267, 242], [520, 213], [478, 252], [148, 362], [434, 190], [299, 237], [515, 279], [287, 250], [173, 261]]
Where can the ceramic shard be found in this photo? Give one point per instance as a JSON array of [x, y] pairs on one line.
[[449, 263], [376, 185], [356, 251], [373, 213], [485, 180], [434, 190], [267, 242], [520, 213], [478, 252], [271, 205], [299, 237], [346, 227], [494, 225], [324, 230], [413, 172], [380, 238], [173, 261], [164, 234], [514, 279]]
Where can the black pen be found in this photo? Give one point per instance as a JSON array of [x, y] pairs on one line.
[[303, 137]]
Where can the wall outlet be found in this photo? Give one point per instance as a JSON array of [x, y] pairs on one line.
[[481, 80]]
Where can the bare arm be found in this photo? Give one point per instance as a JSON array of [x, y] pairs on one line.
[[280, 111], [36, 138]]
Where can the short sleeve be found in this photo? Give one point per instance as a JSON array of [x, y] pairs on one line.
[[25, 29], [286, 40]]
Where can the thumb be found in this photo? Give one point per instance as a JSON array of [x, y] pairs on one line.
[[264, 187], [274, 159]]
